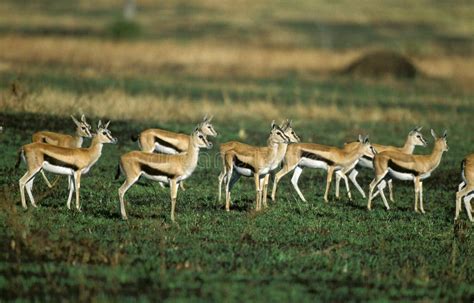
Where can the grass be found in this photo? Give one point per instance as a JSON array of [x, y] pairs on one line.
[[247, 63], [291, 251]]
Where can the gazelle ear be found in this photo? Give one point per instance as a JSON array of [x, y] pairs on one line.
[[366, 139], [99, 125], [107, 124], [273, 124], [210, 118], [75, 120], [83, 118], [445, 133], [418, 129], [361, 140], [205, 119], [433, 134]]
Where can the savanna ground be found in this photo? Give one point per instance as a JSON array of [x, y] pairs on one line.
[[246, 62]]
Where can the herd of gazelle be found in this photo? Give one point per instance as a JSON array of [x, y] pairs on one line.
[[170, 158]]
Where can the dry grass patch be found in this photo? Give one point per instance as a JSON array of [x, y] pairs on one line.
[[116, 104]]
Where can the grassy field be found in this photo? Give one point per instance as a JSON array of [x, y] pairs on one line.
[[247, 63]]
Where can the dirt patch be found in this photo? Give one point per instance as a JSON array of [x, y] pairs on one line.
[[382, 64]]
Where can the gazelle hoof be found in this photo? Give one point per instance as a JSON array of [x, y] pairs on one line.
[[124, 217]]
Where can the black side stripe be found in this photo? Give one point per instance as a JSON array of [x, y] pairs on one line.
[[241, 164], [56, 162], [313, 156], [167, 144], [154, 171], [368, 158], [394, 166]]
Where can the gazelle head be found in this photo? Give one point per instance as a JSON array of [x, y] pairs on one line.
[[289, 131], [83, 128], [103, 134], [416, 138], [441, 142], [199, 139], [366, 148], [277, 135], [206, 127]]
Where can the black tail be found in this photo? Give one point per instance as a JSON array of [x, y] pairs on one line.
[[18, 161], [463, 165], [117, 174], [134, 137]]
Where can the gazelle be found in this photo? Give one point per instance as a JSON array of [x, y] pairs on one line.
[[63, 161], [407, 167], [167, 142], [466, 188], [83, 130], [288, 130], [251, 161], [169, 169], [414, 138], [332, 159]]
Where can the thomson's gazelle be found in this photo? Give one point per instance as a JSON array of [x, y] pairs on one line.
[[167, 142], [83, 130], [466, 188], [406, 167], [63, 161], [293, 138], [169, 169], [251, 161], [332, 159], [414, 138]]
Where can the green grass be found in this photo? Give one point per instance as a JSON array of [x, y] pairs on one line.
[[291, 251]]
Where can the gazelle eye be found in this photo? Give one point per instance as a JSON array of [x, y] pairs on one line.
[[104, 133], [201, 137]]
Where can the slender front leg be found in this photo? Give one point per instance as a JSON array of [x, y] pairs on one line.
[[220, 180], [372, 186], [328, 183], [416, 181], [390, 189], [181, 185], [294, 180], [264, 190], [342, 174], [278, 176], [381, 189], [71, 190], [258, 190], [174, 193], [353, 178], [421, 196], [77, 180]]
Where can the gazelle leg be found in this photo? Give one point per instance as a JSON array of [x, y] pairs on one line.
[[181, 185], [461, 185], [46, 179], [29, 188], [278, 176], [353, 178], [390, 190], [328, 183], [466, 194], [417, 192], [258, 190], [129, 181], [173, 193], [220, 180], [381, 189], [265, 189], [421, 197], [294, 180], [338, 180], [23, 180], [77, 186], [71, 190], [346, 181], [372, 186]]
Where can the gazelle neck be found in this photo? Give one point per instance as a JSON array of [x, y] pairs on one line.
[[281, 152], [436, 155], [408, 147], [79, 140], [192, 154], [355, 153]]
